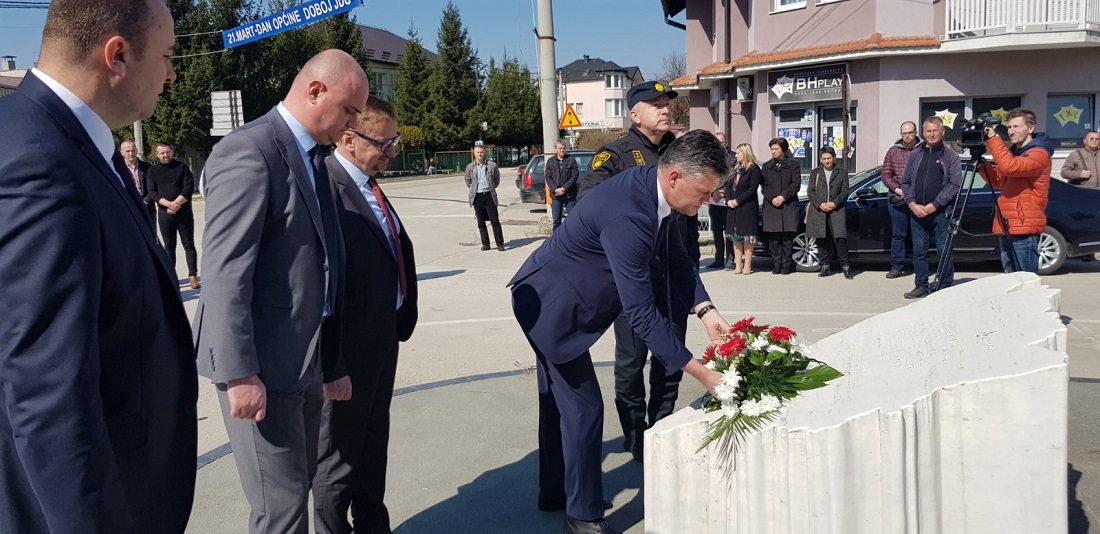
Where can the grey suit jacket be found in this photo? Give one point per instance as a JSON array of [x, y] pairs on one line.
[[491, 171], [270, 254]]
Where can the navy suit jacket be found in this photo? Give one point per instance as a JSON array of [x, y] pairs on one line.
[[597, 265], [97, 371]]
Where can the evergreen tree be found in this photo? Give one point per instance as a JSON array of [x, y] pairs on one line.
[[510, 105], [452, 85], [411, 84]]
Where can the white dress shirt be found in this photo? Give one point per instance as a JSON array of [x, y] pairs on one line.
[[91, 121]]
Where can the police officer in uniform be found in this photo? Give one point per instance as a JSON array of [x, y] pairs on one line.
[[649, 134]]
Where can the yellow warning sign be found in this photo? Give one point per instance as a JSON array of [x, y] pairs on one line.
[[570, 119]]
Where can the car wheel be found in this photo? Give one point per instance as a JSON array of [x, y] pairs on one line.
[[806, 256], [1052, 251]]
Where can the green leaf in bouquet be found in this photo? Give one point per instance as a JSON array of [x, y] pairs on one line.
[[776, 355], [823, 373]]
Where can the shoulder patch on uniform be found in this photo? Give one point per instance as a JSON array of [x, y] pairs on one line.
[[600, 159], [638, 157]]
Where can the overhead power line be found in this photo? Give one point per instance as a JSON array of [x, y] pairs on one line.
[[15, 4]]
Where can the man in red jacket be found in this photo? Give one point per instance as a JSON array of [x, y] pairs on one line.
[[893, 168], [1022, 174]]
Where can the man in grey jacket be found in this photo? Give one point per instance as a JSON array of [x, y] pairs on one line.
[[483, 177], [1082, 167], [272, 260]]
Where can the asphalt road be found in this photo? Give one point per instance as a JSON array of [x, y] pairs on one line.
[[466, 329]]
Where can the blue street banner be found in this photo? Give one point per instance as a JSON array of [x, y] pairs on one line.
[[300, 15]]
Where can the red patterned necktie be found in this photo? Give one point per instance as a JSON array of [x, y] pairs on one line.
[[396, 242]]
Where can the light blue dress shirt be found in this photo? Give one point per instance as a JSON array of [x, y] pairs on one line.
[[482, 179]]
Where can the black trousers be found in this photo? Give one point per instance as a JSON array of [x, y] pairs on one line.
[[486, 210], [781, 246], [183, 223], [832, 247], [630, 356], [570, 435], [718, 229], [353, 453]]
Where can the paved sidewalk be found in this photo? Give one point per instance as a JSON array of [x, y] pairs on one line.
[[463, 460]]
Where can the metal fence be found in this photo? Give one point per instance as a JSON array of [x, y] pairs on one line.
[[408, 161]]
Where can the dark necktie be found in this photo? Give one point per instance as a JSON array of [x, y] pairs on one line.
[[662, 244], [394, 238], [317, 157]]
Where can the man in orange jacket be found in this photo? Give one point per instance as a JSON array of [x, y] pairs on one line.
[[1022, 174]]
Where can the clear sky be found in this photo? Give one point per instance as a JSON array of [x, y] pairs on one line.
[[628, 32]]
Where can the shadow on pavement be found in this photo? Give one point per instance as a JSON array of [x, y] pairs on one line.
[[523, 241], [438, 274], [503, 501], [1078, 521]]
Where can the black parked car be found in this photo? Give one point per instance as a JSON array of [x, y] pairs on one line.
[[531, 181], [1073, 224]]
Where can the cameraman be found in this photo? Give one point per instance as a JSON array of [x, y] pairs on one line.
[[1022, 174]]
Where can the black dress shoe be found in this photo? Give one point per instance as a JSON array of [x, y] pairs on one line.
[[785, 271], [848, 273], [501, 248], [918, 293], [893, 274], [484, 247], [576, 526], [775, 271], [824, 271]]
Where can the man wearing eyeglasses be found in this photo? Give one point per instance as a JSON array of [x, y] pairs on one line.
[[1083, 164], [377, 311], [483, 177], [893, 168]]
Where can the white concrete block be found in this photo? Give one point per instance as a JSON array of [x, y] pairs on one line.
[[951, 417]]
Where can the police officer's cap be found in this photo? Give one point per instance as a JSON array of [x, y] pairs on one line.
[[647, 91]]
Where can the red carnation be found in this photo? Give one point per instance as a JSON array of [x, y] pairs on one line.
[[735, 345], [740, 326], [781, 333], [708, 354]]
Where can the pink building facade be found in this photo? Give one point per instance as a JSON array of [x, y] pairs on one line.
[[762, 69], [597, 91]]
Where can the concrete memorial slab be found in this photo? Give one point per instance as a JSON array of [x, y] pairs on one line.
[[951, 417]]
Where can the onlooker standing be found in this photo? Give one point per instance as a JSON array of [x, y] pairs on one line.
[[137, 170], [893, 168], [1082, 167], [97, 414], [825, 219], [782, 179], [743, 217], [716, 213], [561, 176], [483, 177], [274, 256], [1022, 174], [378, 310], [932, 179], [171, 186]]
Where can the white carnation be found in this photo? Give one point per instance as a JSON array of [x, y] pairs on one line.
[[727, 387], [731, 408], [752, 408], [770, 403], [759, 343]]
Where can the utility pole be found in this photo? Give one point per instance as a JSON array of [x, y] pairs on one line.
[[139, 139], [547, 75]]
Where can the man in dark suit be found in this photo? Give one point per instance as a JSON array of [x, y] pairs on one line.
[[97, 370], [170, 186], [137, 169], [272, 256], [378, 311], [575, 285]]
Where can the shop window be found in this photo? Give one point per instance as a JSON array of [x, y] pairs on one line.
[[613, 107], [1069, 118], [953, 113]]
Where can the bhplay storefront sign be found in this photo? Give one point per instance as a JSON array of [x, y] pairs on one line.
[[809, 84]]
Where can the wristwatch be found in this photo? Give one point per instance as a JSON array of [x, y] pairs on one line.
[[704, 310]]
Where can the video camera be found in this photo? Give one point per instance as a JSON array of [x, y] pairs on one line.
[[972, 133]]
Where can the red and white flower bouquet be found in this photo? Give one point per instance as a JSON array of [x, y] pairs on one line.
[[763, 367]]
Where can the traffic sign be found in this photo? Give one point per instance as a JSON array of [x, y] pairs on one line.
[[225, 107], [293, 17], [570, 119]]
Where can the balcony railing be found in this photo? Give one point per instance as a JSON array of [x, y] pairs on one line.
[[978, 18]]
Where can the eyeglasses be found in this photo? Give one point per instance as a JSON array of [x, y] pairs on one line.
[[1092, 139], [382, 145]]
